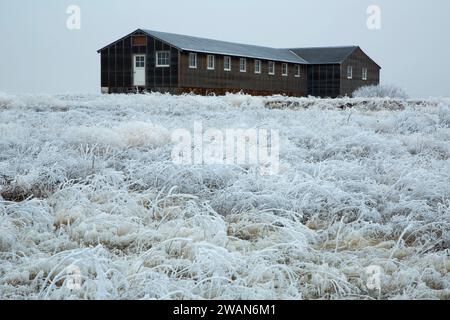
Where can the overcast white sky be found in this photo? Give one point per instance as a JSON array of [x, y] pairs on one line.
[[38, 54]]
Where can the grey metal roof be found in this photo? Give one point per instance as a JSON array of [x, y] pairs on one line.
[[195, 44], [325, 55]]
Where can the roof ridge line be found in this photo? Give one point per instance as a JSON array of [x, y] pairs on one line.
[[159, 35], [326, 47], [210, 39]]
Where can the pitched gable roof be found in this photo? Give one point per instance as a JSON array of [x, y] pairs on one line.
[[325, 55], [317, 55], [196, 44], [203, 45]]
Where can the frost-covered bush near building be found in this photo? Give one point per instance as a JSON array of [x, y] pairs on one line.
[[444, 116], [380, 91], [92, 206]]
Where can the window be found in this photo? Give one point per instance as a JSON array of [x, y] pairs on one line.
[[162, 59], [349, 72], [364, 73], [227, 63], [257, 66], [193, 60], [284, 69], [140, 61], [211, 62], [243, 66], [271, 68], [297, 71]]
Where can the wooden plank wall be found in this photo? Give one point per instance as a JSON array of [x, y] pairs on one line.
[[324, 80], [358, 60], [117, 64], [220, 81]]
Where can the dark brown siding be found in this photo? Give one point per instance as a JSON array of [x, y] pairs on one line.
[[202, 80], [324, 80], [117, 64], [327, 80], [358, 60], [161, 79], [104, 68]]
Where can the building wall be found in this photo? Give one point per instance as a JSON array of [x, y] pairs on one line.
[[161, 79], [117, 65], [202, 80], [358, 60], [324, 80], [315, 80]]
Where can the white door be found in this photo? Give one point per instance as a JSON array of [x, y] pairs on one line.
[[139, 70]]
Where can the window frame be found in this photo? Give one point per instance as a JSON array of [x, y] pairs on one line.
[[244, 60], [365, 73], [213, 59], [298, 71], [191, 66], [284, 65], [349, 72], [157, 59], [227, 58], [272, 63], [259, 64], [138, 63]]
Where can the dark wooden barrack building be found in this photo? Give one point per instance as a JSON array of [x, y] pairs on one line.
[[165, 62], [338, 71]]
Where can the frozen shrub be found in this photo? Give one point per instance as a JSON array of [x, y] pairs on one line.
[[139, 134], [414, 122], [5, 100], [125, 135], [444, 116], [380, 91]]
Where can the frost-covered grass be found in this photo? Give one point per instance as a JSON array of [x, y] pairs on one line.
[[380, 91], [88, 181]]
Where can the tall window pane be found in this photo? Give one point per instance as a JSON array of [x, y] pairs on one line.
[[243, 65], [284, 69], [297, 71], [193, 60], [227, 63], [364, 73], [257, 66], [271, 68], [349, 72], [211, 62]]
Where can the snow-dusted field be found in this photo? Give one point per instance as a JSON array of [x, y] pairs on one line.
[[92, 206]]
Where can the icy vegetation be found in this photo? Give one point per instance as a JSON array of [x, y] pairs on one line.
[[380, 91], [92, 206]]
